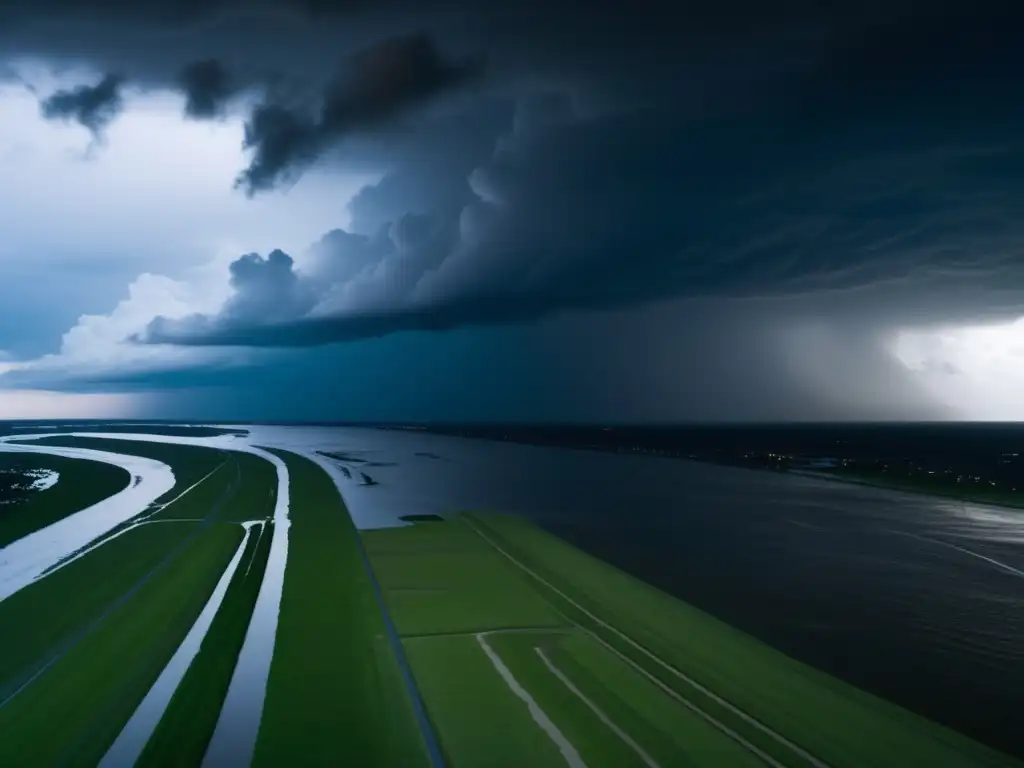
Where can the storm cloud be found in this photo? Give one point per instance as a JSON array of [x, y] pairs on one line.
[[207, 86], [572, 212], [92, 106], [378, 83], [857, 164]]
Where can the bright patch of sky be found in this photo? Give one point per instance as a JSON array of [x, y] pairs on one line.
[[82, 218], [37, 404], [978, 370]]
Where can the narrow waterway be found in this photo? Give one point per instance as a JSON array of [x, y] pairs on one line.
[[234, 740], [136, 733]]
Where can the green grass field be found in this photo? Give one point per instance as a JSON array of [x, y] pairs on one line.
[[478, 719], [424, 570], [81, 483], [627, 674], [64, 636], [185, 730], [598, 745], [525, 650], [39, 621], [445, 578], [75, 709], [670, 734], [669, 639], [335, 695]]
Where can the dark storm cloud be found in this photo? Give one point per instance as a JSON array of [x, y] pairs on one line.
[[361, 271], [266, 289], [580, 212], [92, 106], [378, 83], [705, 149], [207, 86]]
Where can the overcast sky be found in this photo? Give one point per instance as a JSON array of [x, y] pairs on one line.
[[629, 210]]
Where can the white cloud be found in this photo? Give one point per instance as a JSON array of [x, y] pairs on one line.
[[96, 344], [977, 370], [156, 195], [157, 191]]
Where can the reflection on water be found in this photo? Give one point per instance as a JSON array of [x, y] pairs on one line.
[[910, 597]]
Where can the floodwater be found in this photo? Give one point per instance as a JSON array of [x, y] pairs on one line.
[[42, 479], [129, 744], [234, 737], [24, 560], [917, 599]]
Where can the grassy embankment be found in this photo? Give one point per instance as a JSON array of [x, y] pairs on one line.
[[977, 492], [627, 649], [81, 483], [184, 732], [446, 587], [335, 695], [826, 718], [92, 637]]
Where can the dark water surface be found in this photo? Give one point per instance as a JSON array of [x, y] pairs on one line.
[[919, 600]]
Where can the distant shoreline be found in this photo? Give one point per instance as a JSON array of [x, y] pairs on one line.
[[521, 439], [895, 487]]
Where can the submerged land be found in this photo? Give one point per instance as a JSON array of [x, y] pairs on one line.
[[463, 639]]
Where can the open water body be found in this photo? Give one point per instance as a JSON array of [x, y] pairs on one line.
[[916, 599]]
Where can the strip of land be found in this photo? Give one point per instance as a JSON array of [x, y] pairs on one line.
[[335, 695], [128, 603], [72, 712], [188, 723], [629, 675], [447, 588]]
